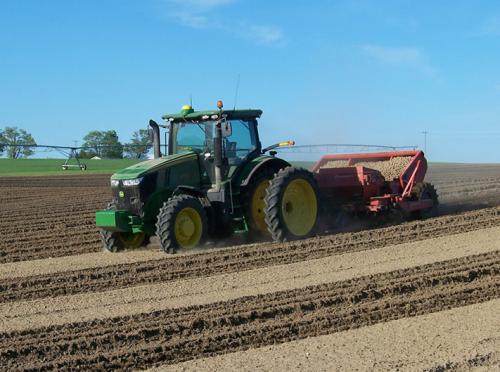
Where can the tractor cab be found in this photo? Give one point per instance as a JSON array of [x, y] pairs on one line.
[[197, 132]]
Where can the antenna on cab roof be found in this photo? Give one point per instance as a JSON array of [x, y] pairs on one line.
[[236, 91]]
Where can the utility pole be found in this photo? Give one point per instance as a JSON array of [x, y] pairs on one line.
[[425, 140]]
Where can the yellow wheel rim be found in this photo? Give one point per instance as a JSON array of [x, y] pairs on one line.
[[258, 205], [131, 240], [188, 228], [299, 207]]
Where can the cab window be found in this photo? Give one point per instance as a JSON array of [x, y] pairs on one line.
[[241, 142], [191, 137]]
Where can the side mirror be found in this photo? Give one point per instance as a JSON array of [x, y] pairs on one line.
[[227, 129]]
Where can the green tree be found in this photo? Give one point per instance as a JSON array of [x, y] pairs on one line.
[[92, 143], [139, 145], [112, 147], [104, 144], [17, 142]]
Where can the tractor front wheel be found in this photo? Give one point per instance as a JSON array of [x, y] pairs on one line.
[[292, 204], [118, 241], [182, 223]]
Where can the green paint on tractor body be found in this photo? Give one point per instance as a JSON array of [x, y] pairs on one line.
[[113, 220], [140, 169], [160, 177]]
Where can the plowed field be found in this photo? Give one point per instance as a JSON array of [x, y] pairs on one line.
[[419, 295]]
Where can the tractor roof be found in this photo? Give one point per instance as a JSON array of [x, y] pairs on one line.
[[190, 114]]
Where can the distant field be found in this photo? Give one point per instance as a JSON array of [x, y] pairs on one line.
[[41, 167], [51, 167]]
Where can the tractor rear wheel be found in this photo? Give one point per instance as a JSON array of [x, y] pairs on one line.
[[292, 204], [114, 241], [254, 201], [182, 223], [425, 190]]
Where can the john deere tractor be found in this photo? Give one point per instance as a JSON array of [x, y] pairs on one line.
[[214, 181]]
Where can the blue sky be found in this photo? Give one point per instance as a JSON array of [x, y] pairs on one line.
[[323, 72]]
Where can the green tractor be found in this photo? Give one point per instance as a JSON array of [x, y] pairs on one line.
[[216, 180]]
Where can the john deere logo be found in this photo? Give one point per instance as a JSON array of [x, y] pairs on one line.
[[121, 194]]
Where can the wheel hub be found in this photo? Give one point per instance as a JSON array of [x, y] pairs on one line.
[[187, 226], [299, 207]]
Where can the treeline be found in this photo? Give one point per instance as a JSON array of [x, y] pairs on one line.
[[17, 143], [11, 139], [105, 144]]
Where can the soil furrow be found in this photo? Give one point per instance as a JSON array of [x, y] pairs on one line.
[[430, 342], [225, 287], [56, 181], [238, 258], [175, 335], [40, 214]]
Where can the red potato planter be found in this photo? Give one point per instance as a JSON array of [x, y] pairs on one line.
[[376, 182]]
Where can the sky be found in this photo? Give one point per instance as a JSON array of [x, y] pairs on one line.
[[363, 72]]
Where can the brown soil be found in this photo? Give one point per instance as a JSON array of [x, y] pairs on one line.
[[229, 260], [45, 217], [175, 335], [50, 216], [142, 309], [465, 186], [223, 287], [395, 345]]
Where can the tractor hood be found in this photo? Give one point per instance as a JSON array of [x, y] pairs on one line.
[[150, 166]]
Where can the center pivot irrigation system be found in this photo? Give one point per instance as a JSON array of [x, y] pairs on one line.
[[72, 154], [69, 152], [73, 161]]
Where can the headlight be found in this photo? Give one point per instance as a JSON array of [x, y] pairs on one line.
[[133, 182], [115, 183]]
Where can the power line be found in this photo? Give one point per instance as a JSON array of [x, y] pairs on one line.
[[341, 147]]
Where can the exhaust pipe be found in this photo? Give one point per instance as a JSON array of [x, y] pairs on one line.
[[218, 157], [156, 138]]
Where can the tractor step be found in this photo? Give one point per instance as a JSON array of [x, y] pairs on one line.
[[239, 225]]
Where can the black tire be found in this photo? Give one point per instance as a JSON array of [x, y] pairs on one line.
[[165, 225], [256, 227], [425, 190], [110, 241], [117, 241], [275, 208]]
